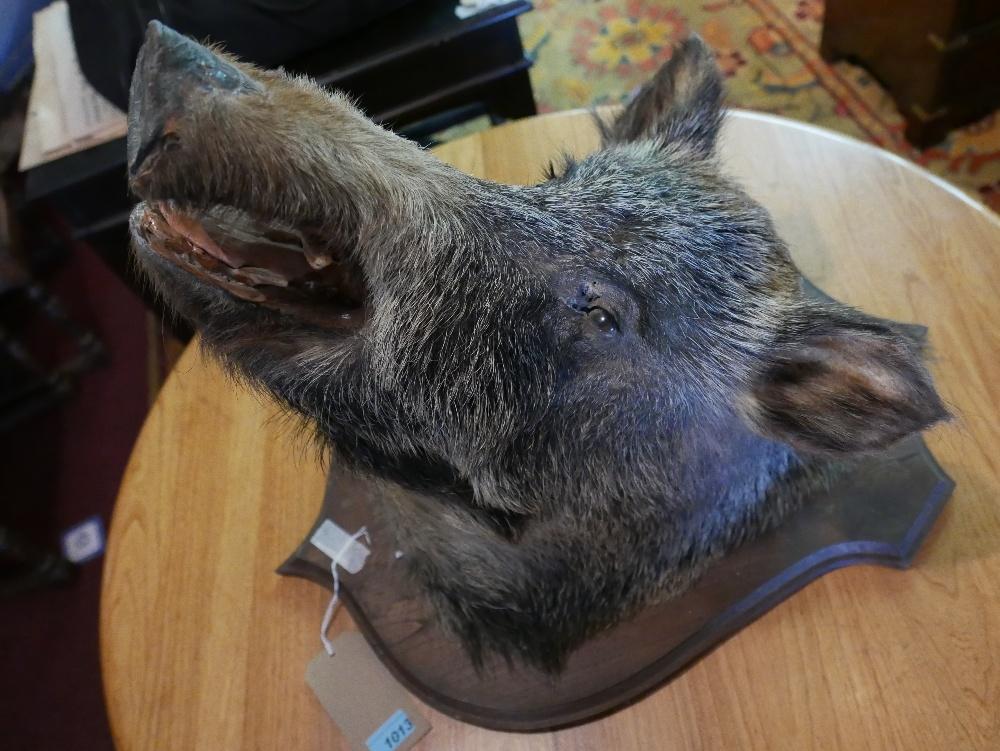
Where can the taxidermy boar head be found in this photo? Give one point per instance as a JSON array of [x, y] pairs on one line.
[[594, 385]]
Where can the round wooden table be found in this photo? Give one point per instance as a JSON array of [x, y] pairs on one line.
[[204, 647]]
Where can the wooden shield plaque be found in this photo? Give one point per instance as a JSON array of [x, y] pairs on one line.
[[879, 513]]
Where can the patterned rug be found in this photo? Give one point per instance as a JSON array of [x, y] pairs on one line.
[[595, 52]]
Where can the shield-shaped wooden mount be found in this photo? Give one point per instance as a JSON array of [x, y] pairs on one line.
[[879, 513]]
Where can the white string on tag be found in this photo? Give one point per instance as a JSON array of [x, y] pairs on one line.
[[335, 599]]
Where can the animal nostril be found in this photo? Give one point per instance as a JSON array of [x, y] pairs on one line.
[[144, 150]]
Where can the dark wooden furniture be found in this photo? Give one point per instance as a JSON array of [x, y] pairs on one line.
[[42, 349], [940, 59], [27, 383], [31, 318], [421, 69], [416, 70]]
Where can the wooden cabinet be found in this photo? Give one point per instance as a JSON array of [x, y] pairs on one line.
[[939, 59]]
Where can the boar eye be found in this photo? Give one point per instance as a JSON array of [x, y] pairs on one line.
[[602, 319]]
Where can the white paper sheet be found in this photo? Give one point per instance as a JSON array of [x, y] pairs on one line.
[[65, 113]]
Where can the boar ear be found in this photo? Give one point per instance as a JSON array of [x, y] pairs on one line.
[[682, 102], [843, 383]]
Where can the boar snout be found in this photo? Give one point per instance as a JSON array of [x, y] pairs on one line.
[[169, 71], [277, 192]]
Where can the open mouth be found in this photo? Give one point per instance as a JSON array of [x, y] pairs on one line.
[[284, 269], [290, 268]]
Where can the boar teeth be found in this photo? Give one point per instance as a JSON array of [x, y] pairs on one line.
[[253, 275], [317, 260]]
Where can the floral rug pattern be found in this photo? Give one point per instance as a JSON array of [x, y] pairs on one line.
[[591, 52]]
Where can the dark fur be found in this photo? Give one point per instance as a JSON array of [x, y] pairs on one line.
[[567, 475]]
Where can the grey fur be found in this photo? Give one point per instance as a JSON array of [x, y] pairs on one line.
[[569, 474]]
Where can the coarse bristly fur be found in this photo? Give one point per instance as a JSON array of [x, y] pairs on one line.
[[590, 388]]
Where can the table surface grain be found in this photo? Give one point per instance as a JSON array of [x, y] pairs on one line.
[[203, 646]]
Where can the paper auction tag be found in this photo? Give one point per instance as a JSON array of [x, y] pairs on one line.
[[368, 705], [337, 545]]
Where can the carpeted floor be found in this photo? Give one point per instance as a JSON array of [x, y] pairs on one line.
[[591, 52]]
